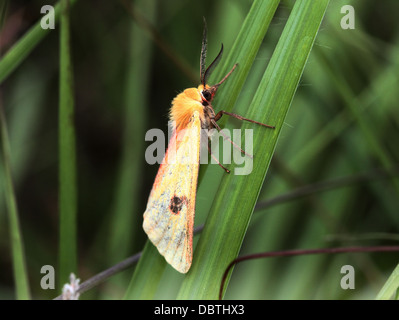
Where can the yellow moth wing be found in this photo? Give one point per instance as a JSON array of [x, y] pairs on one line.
[[169, 217]]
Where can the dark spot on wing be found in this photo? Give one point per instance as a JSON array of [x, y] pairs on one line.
[[176, 204]]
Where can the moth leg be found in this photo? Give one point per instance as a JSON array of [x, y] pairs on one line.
[[213, 156], [226, 137], [237, 116]]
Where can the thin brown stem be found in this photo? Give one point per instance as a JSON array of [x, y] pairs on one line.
[[104, 275], [292, 253]]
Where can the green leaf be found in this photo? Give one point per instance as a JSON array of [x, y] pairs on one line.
[[18, 255], [18, 53], [17, 248], [67, 155], [123, 226], [391, 287], [144, 283]]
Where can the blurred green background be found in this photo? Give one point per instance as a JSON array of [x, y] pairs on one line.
[[343, 122]]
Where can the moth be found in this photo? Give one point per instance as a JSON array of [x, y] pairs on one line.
[[169, 216]]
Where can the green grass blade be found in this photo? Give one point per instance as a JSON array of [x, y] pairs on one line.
[[67, 155], [125, 224], [243, 52], [3, 13], [252, 34], [391, 287], [227, 222], [18, 256], [364, 124], [144, 282], [17, 54]]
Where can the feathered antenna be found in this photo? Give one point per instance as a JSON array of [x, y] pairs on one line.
[[203, 54], [212, 66], [205, 73]]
